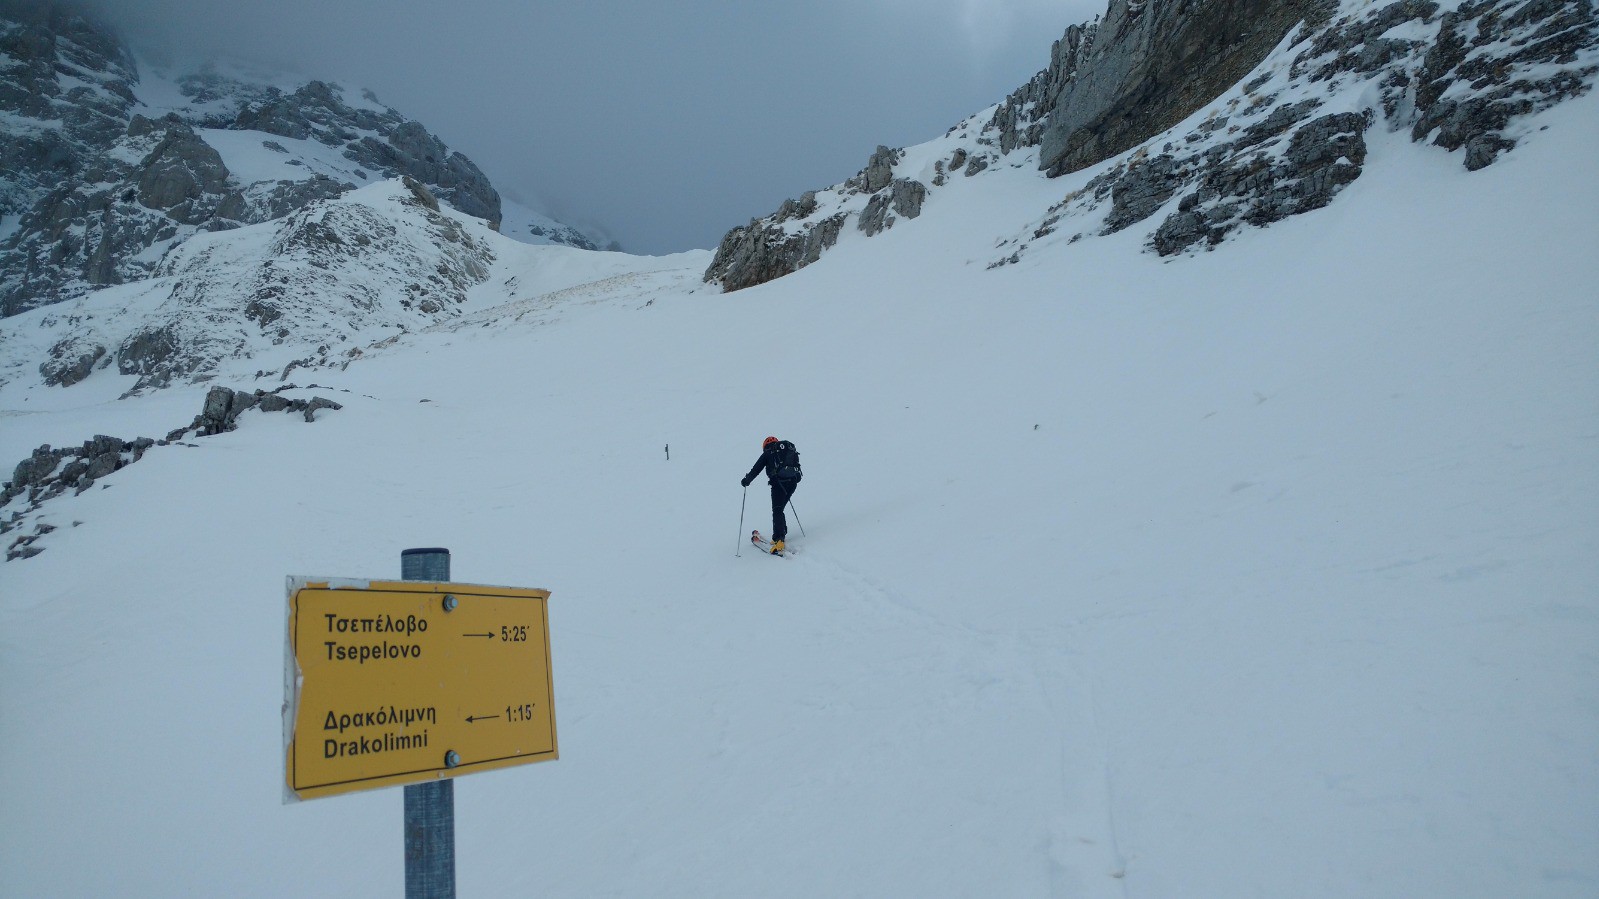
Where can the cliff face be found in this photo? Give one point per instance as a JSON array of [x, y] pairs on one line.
[[1153, 63], [1287, 142]]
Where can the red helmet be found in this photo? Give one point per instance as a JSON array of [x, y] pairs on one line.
[[768, 442]]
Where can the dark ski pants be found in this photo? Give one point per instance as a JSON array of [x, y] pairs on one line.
[[781, 491]]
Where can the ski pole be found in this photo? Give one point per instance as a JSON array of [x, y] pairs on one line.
[[791, 509], [738, 549]]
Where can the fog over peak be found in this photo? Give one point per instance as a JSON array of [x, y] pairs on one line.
[[657, 125]]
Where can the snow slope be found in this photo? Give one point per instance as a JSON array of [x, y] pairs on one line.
[[1266, 572], [306, 291]]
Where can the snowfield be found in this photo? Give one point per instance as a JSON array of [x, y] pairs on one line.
[[1271, 571]]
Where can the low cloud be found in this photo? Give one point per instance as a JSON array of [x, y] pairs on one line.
[[669, 123]]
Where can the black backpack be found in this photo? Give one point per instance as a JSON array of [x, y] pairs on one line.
[[785, 462]]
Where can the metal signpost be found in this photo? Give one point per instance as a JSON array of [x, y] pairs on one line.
[[414, 682]]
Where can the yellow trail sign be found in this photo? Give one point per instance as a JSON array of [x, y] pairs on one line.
[[397, 682]]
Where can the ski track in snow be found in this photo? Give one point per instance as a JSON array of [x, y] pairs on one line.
[[1080, 847]]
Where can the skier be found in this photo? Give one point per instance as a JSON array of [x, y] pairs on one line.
[[781, 462]]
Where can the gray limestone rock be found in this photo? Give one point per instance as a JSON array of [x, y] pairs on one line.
[[1358, 46], [879, 171], [1491, 63], [68, 364], [1143, 189], [319, 403], [74, 471], [287, 197], [796, 209], [216, 415], [904, 200], [182, 170], [1020, 120], [223, 406], [874, 218], [42, 476], [422, 194], [139, 126], [1517, 58], [33, 471], [102, 465], [242, 400], [147, 352], [1322, 156], [907, 197], [411, 150], [1151, 65], [757, 253], [102, 445]]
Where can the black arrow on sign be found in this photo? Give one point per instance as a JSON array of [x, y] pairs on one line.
[[470, 719], [477, 635]]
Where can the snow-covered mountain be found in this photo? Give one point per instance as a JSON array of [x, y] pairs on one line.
[[528, 225], [110, 163], [1211, 152], [308, 291], [1267, 571], [323, 279]]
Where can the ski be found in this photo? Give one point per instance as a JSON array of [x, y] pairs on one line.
[[765, 545], [762, 544]]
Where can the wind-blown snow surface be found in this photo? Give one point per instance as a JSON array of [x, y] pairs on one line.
[[1266, 572]]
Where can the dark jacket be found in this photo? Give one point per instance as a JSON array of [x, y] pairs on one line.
[[767, 463]]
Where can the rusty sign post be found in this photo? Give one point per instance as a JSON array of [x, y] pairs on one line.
[[414, 682]]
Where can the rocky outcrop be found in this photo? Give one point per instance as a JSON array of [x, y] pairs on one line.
[[1020, 120], [223, 406], [760, 252], [384, 142], [796, 235], [66, 367], [904, 199], [1152, 64], [50, 472], [1323, 156], [180, 174], [1517, 58], [879, 171]]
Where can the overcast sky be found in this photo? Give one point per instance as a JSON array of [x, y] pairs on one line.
[[659, 124]]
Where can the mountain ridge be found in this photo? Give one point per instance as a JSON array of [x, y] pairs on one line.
[[1236, 151], [110, 163]]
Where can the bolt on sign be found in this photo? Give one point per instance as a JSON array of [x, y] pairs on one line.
[[399, 682]]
